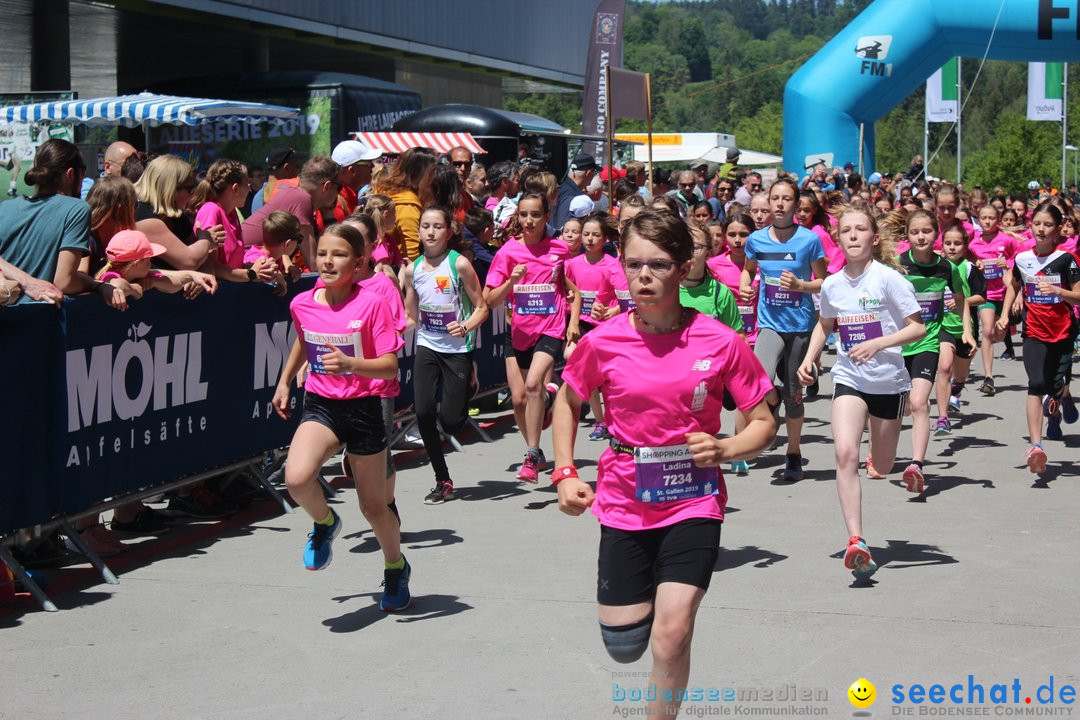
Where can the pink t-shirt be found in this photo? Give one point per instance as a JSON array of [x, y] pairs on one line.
[[257, 252], [726, 271], [385, 288], [360, 326], [387, 252], [968, 228], [693, 367], [538, 299], [1002, 249], [594, 281], [231, 254], [833, 253]]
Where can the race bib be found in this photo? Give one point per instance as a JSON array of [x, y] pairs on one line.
[[855, 329], [993, 269], [626, 304], [778, 297], [318, 344], [668, 473], [748, 313], [930, 305], [535, 299], [1032, 294], [436, 318], [588, 299]]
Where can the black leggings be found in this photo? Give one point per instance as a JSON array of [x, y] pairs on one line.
[[1046, 365], [452, 371]]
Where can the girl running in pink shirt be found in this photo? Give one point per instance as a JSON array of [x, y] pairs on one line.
[[660, 495], [529, 271], [592, 274], [347, 337]]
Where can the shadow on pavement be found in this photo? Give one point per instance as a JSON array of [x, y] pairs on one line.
[[423, 607], [731, 558], [420, 540], [937, 484]]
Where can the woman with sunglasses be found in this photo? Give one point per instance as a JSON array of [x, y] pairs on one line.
[[660, 495], [165, 189]]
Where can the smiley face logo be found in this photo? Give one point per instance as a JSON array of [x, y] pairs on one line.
[[862, 693]]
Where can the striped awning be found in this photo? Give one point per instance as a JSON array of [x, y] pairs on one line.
[[145, 108], [398, 142]]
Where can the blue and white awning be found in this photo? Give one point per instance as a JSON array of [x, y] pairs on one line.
[[145, 109]]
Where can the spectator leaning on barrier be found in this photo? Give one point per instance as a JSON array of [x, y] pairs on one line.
[[401, 183], [318, 188], [112, 203], [164, 191], [14, 283], [47, 234]]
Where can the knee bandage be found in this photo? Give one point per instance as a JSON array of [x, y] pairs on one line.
[[627, 643]]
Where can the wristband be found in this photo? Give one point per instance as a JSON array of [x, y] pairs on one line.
[[560, 474]]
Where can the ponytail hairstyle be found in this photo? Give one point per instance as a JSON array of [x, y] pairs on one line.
[[609, 226], [219, 176], [54, 158], [818, 216], [885, 250], [374, 206], [455, 241]]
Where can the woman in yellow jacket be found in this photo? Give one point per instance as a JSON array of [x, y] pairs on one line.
[[402, 184]]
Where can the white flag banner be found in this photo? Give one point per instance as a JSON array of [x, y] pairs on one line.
[[941, 103], [1045, 91]]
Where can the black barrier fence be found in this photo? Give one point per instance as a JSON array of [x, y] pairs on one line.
[[100, 403]]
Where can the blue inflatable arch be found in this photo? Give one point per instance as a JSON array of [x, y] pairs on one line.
[[891, 48]]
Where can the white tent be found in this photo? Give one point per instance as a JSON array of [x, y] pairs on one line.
[[690, 147]]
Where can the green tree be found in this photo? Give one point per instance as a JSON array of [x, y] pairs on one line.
[[695, 49]]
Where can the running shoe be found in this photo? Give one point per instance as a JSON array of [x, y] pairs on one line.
[[396, 595], [1053, 427], [599, 432], [146, 522], [1007, 355], [1068, 409], [987, 388], [530, 469], [942, 427], [740, 468], [1036, 459], [1050, 406], [954, 403], [442, 492], [871, 473], [793, 471], [914, 481], [201, 504], [100, 540], [550, 390], [857, 558], [318, 552]]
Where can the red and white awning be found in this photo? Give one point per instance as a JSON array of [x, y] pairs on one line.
[[398, 142]]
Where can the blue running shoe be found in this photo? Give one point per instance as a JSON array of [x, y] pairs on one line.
[[740, 468], [954, 403], [317, 552], [396, 595], [857, 558], [1053, 427], [1068, 409]]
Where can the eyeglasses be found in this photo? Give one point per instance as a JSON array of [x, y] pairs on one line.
[[657, 268], [461, 163], [687, 185], [700, 248], [723, 189], [755, 186]]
